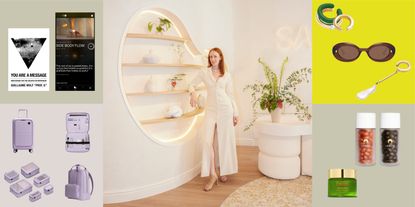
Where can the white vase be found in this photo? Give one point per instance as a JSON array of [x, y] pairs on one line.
[[276, 115], [155, 84], [149, 87], [150, 58]]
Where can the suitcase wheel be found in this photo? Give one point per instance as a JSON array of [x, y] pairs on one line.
[[30, 150], [14, 150]]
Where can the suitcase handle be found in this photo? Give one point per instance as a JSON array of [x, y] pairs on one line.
[[19, 113]]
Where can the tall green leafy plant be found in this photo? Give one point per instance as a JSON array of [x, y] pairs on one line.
[[273, 93]]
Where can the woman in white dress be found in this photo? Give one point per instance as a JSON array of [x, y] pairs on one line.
[[221, 115]]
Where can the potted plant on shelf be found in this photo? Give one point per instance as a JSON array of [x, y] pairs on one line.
[[173, 80], [272, 94], [163, 26]]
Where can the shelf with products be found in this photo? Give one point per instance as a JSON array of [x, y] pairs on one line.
[[160, 65], [162, 92], [166, 119], [157, 36], [150, 64]]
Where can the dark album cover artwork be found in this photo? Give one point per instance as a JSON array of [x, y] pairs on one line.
[[75, 52]]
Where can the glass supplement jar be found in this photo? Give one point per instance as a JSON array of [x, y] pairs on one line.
[[365, 138], [342, 183], [389, 130]]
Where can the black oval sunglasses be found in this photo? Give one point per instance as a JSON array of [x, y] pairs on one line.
[[348, 52]]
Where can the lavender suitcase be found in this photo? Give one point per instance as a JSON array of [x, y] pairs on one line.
[[22, 132]]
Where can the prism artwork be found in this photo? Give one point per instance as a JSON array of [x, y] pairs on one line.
[[28, 48]]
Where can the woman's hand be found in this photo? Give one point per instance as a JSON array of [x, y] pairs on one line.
[[235, 120], [193, 99]]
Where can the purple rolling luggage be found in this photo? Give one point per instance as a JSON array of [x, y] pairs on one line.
[[22, 132]]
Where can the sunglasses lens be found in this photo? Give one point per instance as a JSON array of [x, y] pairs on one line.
[[346, 52], [381, 52]]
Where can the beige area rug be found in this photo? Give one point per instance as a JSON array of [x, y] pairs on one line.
[[266, 191]]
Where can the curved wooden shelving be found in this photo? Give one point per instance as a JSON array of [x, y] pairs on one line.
[[156, 36], [134, 37], [184, 116], [162, 65], [161, 92]]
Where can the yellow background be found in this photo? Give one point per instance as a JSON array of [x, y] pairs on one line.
[[336, 82]]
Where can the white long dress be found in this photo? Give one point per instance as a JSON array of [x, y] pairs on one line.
[[220, 108]]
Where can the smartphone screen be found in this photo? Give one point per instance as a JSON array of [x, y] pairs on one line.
[[75, 51]]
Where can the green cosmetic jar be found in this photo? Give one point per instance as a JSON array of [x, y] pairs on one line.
[[342, 183]]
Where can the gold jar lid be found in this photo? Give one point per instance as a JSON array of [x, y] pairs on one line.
[[342, 173]]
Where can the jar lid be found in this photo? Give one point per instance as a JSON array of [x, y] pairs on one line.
[[342, 173], [366, 120], [390, 120]]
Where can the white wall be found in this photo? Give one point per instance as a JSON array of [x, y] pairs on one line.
[[134, 165], [272, 30]]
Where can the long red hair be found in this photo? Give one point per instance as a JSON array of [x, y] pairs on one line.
[[221, 62]]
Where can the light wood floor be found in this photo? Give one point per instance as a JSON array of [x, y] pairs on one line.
[[191, 193]]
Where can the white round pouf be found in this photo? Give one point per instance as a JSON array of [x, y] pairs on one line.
[[279, 167], [280, 147]]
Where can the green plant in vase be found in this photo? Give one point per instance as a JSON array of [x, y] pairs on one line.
[[177, 77], [272, 94], [163, 26]]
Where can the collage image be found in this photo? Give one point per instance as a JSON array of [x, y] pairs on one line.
[[222, 103]]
